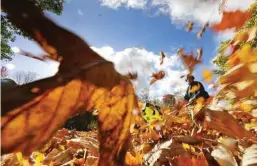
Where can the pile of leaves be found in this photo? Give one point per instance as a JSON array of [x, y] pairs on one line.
[[32, 113]]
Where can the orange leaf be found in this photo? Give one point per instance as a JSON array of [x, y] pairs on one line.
[[190, 61], [234, 19], [157, 76]]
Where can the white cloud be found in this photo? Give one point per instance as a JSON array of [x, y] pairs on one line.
[[225, 35], [145, 62], [10, 66], [180, 11], [136, 4]]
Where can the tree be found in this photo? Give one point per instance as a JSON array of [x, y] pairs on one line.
[[144, 95], [22, 77], [221, 59], [8, 30]]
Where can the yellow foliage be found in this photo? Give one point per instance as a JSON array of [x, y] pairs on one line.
[[245, 55]]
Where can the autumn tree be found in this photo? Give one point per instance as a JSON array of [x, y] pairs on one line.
[[9, 30], [22, 77], [144, 95], [221, 59]]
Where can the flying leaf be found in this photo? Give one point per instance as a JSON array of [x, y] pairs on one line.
[[245, 55], [221, 6], [189, 26], [201, 32], [157, 76], [162, 56], [242, 79], [190, 61], [235, 19], [132, 76], [199, 53], [244, 36], [225, 123], [207, 75], [30, 118], [180, 51]]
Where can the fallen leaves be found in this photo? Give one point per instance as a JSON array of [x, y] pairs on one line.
[[235, 19]]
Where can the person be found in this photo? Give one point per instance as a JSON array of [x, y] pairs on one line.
[[195, 89], [151, 113]]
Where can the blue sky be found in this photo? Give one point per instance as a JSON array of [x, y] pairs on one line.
[[125, 29]]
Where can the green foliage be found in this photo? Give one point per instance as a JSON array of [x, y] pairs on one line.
[[8, 30], [221, 59]]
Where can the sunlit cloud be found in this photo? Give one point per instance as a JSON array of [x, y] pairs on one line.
[[10, 66], [15, 50]]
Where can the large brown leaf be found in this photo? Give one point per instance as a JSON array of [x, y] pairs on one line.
[[85, 81]]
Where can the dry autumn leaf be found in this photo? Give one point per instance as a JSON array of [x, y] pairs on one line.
[[200, 34], [223, 122], [207, 75], [245, 55], [235, 19], [242, 79], [199, 53], [190, 61], [157, 76], [162, 56], [221, 6], [189, 26], [30, 118], [245, 36], [180, 51]]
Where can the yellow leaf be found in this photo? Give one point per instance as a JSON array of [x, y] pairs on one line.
[[246, 107], [186, 146], [207, 75], [245, 55], [39, 157], [19, 157]]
